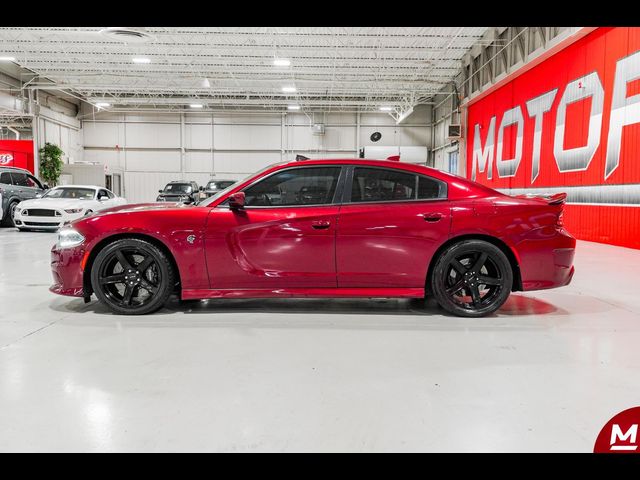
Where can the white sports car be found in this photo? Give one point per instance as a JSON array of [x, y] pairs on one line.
[[62, 204]]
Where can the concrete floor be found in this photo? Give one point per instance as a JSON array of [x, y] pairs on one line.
[[546, 373]]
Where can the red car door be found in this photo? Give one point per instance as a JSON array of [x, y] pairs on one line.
[[389, 228], [283, 238]]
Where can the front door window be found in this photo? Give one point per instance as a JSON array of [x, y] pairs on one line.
[[295, 187]]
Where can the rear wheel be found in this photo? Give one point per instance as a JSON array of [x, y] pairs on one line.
[[132, 277], [472, 278]]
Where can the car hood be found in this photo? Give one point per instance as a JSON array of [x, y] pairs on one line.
[[55, 203], [144, 207]]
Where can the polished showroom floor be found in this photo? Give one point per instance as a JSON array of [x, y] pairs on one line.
[[545, 373]]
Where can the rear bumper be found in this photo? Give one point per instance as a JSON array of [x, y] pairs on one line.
[[546, 259], [67, 272]]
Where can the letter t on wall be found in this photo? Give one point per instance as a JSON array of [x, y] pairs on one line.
[[624, 110], [536, 108]]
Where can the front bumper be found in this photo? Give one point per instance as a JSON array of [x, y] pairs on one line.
[[67, 271], [45, 223]]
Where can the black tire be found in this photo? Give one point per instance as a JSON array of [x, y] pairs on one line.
[[125, 269], [9, 214], [459, 273]]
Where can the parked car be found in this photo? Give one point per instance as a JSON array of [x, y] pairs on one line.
[[424, 232], [16, 185], [62, 204], [180, 191], [216, 185]]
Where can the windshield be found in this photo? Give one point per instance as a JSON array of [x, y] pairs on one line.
[[178, 188], [78, 193], [221, 193], [219, 184]]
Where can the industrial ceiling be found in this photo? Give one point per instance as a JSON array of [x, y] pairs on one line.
[[329, 68]]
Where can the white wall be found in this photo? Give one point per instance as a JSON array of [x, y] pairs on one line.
[[153, 149]]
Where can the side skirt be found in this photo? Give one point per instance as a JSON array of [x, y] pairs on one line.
[[195, 294]]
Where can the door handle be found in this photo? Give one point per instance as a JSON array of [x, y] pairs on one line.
[[320, 224], [432, 217]]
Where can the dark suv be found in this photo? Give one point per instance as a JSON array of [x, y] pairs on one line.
[[180, 191], [16, 185]]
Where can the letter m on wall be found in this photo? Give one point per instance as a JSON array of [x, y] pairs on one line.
[[483, 157]]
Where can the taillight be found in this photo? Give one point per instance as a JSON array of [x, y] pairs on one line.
[[560, 221]]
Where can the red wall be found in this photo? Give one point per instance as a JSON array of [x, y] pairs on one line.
[[607, 211], [17, 153]]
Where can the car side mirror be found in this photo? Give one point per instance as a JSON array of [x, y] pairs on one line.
[[201, 188], [46, 187], [236, 201]]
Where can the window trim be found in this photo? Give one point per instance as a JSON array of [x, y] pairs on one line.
[[335, 201], [346, 197], [37, 182]]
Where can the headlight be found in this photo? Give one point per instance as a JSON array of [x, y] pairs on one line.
[[68, 238], [18, 210], [73, 210]]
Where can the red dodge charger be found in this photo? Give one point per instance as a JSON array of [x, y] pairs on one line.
[[322, 228]]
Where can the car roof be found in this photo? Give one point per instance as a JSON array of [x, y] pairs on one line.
[[413, 167], [17, 169]]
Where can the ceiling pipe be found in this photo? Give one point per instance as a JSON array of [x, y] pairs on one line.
[[11, 129]]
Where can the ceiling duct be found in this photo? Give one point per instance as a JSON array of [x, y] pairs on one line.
[[128, 34]]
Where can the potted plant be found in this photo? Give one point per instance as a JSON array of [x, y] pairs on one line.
[[51, 163]]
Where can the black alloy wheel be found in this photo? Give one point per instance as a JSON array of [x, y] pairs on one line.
[[132, 277], [472, 278]]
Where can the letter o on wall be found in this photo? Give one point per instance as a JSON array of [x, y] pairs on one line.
[[579, 158], [509, 167]]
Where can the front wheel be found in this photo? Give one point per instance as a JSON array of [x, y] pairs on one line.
[[10, 215], [472, 278], [132, 277]]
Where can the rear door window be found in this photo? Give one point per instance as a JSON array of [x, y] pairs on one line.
[[384, 185]]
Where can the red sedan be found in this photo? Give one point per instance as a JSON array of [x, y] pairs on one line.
[[322, 228]]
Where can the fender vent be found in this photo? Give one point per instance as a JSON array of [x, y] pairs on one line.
[[128, 34]]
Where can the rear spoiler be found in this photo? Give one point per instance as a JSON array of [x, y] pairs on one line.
[[551, 199]]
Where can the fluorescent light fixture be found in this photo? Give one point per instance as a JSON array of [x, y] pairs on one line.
[[141, 60], [196, 105], [386, 109], [289, 89], [7, 59], [293, 107], [282, 62], [102, 104]]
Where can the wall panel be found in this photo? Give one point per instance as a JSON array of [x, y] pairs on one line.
[[576, 152]]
